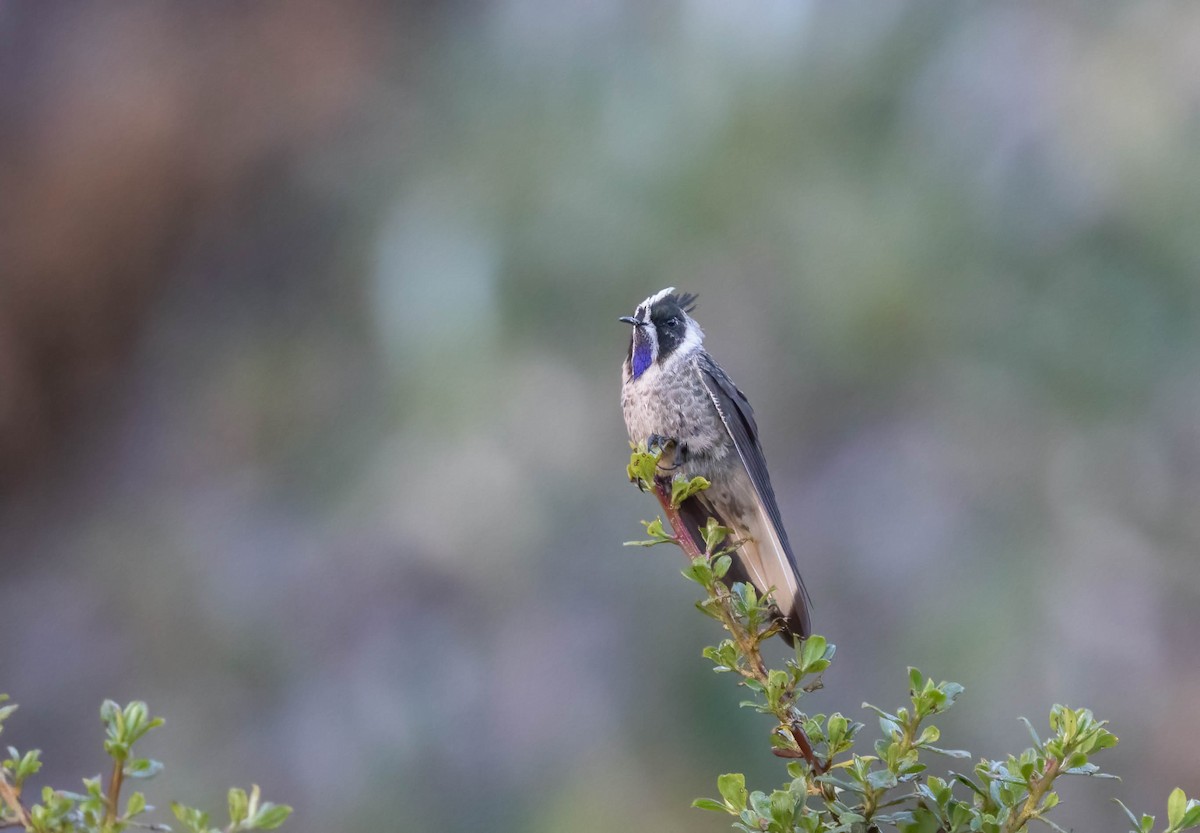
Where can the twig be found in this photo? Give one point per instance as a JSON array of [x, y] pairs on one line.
[[114, 792], [12, 797], [1037, 790], [746, 642]]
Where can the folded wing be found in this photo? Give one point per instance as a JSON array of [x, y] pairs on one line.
[[767, 558]]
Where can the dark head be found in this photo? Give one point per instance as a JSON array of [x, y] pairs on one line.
[[662, 329]]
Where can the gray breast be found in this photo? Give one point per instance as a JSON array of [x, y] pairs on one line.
[[676, 404]]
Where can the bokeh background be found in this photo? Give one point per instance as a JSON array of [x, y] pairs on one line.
[[309, 370]]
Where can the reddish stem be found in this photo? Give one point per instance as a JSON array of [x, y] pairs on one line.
[[12, 798], [681, 537]]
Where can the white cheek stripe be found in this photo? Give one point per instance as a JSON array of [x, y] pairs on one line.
[[649, 330], [693, 337]]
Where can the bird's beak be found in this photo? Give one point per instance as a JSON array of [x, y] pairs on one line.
[[629, 319]]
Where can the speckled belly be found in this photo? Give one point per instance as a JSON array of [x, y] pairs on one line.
[[676, 405]]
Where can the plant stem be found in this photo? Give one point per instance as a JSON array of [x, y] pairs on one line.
[[114, 793], [746, 642], [12, 798], [1037, 791]]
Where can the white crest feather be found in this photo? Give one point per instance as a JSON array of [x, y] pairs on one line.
[[642, 313], [657, 296]]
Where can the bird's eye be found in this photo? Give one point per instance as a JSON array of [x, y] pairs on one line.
[[673, 322]]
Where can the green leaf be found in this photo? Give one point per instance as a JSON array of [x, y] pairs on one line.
[[1037, 742], [643, 466], [967, 782], [760, 803], [655, 530], [143, 768], [135, 805], [882, 713], [1132, 818], [811, 650], [881, 779], [239, 806], [721, 565], [190, 817], [709, 804], [923, 821], [897, 818], [699, 572], [270, 816], [683, 488], [930, 734], [1176, 807], [777, 679], [137, 716], [93, 787], [724, 656], [713, 534], [657, 534], [745, 598], [783, 808], [950, 692], [916, 681], [110, 712], [1077, 760], [836, 730], [732, 787], [25, 765], [1026, 769]]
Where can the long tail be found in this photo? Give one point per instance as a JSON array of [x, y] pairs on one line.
[[760, 560]]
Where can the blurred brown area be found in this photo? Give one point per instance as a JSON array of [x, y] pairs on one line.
[[125, 129], [309, 361]]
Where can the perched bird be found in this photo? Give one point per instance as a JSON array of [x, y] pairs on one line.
[[676, 397]]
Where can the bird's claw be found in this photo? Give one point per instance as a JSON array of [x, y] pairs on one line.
[[659, 443]]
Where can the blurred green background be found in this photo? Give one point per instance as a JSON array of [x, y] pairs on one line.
[[309, 371]]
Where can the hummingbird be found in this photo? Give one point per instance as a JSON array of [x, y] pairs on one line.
[[676, 397]]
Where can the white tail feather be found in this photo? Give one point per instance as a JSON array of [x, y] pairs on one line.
[[767, 563]]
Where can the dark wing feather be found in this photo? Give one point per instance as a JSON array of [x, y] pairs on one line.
[[695, 512], [738, 418]]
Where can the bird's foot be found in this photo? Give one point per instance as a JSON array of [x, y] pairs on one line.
[[679, 449], [658, 442]]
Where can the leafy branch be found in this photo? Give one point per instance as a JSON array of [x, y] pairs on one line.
[[745, 616], [831, 788], [98, 808]]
